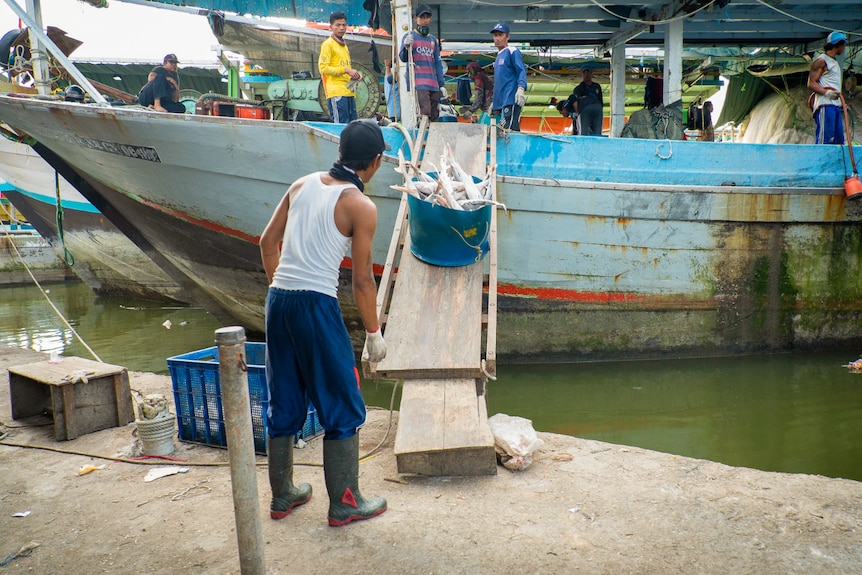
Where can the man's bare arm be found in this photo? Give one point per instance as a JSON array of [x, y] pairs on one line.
[[364, 216], [817, 69]]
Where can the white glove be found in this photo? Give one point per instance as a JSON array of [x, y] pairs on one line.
[[444, 95], [375, 347], [520, 99], [832, 94], [408, 40]]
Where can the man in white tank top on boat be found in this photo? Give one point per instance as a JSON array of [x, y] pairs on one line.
[[309, 355], [825, 81]]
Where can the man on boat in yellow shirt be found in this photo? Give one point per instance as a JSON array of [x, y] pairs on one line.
[[334, 66]]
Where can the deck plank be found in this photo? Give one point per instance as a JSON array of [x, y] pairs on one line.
[[433, 329], [443, 429]]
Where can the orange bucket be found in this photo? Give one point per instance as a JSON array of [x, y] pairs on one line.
[[853, 188]]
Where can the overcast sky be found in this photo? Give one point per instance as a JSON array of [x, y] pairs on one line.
[[124, 31]]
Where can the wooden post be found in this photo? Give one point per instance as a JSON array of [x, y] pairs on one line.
[[672, 80], [618, 89], [240, 444], [37, 53]]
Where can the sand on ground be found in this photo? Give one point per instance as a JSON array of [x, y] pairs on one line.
[[583, 507]]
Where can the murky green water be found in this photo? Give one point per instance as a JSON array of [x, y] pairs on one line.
[[794, 413]]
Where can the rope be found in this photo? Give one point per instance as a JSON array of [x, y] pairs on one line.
[[477, 247], [670, 148], [48, 299], [414, 100], [68, 258], [362, 459]]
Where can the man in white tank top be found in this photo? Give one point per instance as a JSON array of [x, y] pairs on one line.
[[824, 80], [309, 355]]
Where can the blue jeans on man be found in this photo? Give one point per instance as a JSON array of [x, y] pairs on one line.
[[342, 109]]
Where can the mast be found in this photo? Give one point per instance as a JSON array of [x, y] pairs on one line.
[[42, 38]]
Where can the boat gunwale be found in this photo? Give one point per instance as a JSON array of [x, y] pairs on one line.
[[667, 188]]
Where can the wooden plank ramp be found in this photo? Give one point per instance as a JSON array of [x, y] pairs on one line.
[[433, 321]]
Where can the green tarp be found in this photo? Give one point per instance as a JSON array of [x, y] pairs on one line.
[[132, 77], [744, 91]]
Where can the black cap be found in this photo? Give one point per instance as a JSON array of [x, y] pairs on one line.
[[423, 9], [361, 140], [170, 58]]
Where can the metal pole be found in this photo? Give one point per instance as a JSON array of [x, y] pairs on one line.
[[58, 54], [240, 443]]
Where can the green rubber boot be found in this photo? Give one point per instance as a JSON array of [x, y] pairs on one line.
[[341, 469], [285, 495]]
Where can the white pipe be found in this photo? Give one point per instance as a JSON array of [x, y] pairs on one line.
[[402, 11], [57, 53], [672, 78], [618, 89]]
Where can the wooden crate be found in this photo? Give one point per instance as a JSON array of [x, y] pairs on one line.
[[77, 408]]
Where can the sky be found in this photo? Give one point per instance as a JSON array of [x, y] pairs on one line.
[[124, 31]]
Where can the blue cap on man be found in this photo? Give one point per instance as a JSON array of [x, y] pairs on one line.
[[835, 38], [500, 27]]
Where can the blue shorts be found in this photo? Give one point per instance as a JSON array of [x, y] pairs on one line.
[[309, 356], [342, 109], [829, 125]]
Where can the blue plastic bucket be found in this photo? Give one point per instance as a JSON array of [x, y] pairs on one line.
[[446, 237]]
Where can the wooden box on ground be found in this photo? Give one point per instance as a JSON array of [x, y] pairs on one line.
[[77, 408]]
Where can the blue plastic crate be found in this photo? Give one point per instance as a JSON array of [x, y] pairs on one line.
[[197, 396]]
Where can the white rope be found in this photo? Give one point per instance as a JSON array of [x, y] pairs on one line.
[[670, 152], [804, 21], [44, 293], [653, 22], [414, 100]]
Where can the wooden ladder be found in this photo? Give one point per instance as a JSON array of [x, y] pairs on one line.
[[435, 319]]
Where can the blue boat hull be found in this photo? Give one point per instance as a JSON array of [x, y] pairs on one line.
[[611, 248]]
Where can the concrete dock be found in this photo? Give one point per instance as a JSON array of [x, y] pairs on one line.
[[582, 507]]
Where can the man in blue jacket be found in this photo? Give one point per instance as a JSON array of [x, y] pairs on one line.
[[510, 80]]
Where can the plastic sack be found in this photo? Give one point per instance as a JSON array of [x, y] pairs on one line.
[[515, 440]]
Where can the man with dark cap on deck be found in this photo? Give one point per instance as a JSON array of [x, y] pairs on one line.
[[162, 90], [427, 64], [589, 106], [510, 80], [309, 355], [825, 81]]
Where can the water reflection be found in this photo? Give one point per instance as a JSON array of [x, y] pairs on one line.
[[121, 331], [794, 413]]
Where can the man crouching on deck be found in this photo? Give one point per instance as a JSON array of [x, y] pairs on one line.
[[308, 351]]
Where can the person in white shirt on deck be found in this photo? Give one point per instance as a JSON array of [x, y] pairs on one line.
[[825, 81]]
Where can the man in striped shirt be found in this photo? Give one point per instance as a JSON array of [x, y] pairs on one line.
[[425, 48]]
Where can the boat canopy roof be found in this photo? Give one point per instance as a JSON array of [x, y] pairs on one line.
[[798, 26]]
